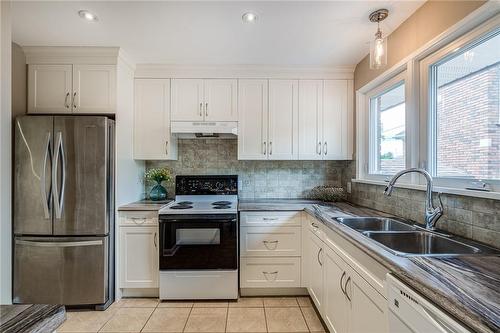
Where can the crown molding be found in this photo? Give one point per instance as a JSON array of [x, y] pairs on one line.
[[71, 55], [162, 71]]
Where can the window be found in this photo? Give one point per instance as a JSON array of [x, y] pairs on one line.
[[387, 131], [438, 110], [464, 111]]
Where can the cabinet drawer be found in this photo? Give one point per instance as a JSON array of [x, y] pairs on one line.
[[138, 218], [262, 219], [269, 272], [270, 241]]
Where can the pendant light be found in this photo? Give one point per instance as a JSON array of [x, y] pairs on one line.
[[378, 46]]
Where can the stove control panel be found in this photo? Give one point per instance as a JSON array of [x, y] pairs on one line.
[[206, 185]]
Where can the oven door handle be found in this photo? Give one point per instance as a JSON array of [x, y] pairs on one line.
[[187, 220]]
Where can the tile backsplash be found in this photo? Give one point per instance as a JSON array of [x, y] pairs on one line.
[[257, 179], [469, 217]]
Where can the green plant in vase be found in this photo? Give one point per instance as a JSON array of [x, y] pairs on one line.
[[158, 176]]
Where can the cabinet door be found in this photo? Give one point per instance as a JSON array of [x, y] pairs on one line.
[[283, 119], [315, 265], [366, 303], [252, 119], [310, 124], [152, 137], [336, 304], [94, 88], [49, 88], [220, 100], [187, 100], [139, 257], [335, 119]]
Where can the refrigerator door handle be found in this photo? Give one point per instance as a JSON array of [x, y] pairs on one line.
[[58, 196], [59, 244], [43, 185]]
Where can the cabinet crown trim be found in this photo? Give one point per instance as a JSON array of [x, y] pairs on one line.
[[73, 55]]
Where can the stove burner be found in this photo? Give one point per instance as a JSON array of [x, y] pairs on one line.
[[181, 207], [221, 203], [222, 207], [185, 203]]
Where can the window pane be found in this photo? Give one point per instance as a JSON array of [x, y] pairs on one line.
[[387, 131], [467, 112]]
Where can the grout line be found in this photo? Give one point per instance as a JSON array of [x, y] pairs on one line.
[[146, 322], [305, 321], [227, 318], [187, 319], [265, 318]]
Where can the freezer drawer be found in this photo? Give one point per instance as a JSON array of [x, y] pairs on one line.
[[69, 271]]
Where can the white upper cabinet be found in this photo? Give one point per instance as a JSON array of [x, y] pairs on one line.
[[94, 88], [337, 120], [283, 120], [221, 100], [187, 100], [310, 119], [204, 100], [49, 88], [325, 119], [152, 137], [83, 89], [252, 119]]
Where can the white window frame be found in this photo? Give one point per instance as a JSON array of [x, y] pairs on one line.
[[427, 133], [482, 19], [369, 155]]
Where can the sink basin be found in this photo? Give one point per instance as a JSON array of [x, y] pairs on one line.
[[420, 243], [374, 224]]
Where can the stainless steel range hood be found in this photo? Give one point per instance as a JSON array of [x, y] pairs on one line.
[[205, 129]]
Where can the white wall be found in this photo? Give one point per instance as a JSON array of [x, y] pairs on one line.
[[5, 154]]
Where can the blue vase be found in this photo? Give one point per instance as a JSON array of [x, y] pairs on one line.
[[158, 193]]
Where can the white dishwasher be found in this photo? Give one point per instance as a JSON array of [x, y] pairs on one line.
[[411, 313]]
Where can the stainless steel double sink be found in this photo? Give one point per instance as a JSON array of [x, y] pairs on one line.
[[405, 239]]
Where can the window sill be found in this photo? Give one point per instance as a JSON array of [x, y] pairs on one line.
[[446, 190]]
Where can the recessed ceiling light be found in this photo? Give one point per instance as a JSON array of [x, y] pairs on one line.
[[85, 14], [249, 17]]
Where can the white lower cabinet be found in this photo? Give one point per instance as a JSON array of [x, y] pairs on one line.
[[336, 305], [269, 272], [139, 257], [345, 300], [315, 269]]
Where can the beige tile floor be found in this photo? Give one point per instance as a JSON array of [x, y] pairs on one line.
[[248, 314]]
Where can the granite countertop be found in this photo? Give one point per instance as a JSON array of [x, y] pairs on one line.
[[467, 287], [40, 318], [275, 204], [144, 205]]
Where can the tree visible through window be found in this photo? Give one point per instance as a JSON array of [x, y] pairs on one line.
[[388, 131], [465, 99]]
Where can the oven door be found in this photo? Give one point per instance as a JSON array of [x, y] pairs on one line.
[[195, 241]]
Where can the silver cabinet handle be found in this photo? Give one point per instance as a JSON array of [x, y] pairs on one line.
[[274, 244], [319, 253], [66, 105], [74, 100], [201, 109], [58, 196], [154, 241], [59, 244], [166, 147], [43, 185], [270, 218], [264, 148], [314, 225], [341, 285], [274, 274], [345, 288], [325, 148], [206, 109], [270, 147], [318, 149], [135, 219]]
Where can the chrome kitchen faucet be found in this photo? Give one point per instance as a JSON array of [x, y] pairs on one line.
[[432, 214]]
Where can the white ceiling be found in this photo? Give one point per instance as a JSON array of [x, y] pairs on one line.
[[334, 33]]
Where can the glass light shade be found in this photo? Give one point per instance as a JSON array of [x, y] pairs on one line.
[[378, 52]]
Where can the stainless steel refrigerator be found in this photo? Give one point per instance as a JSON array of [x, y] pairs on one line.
[[64, 210]]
